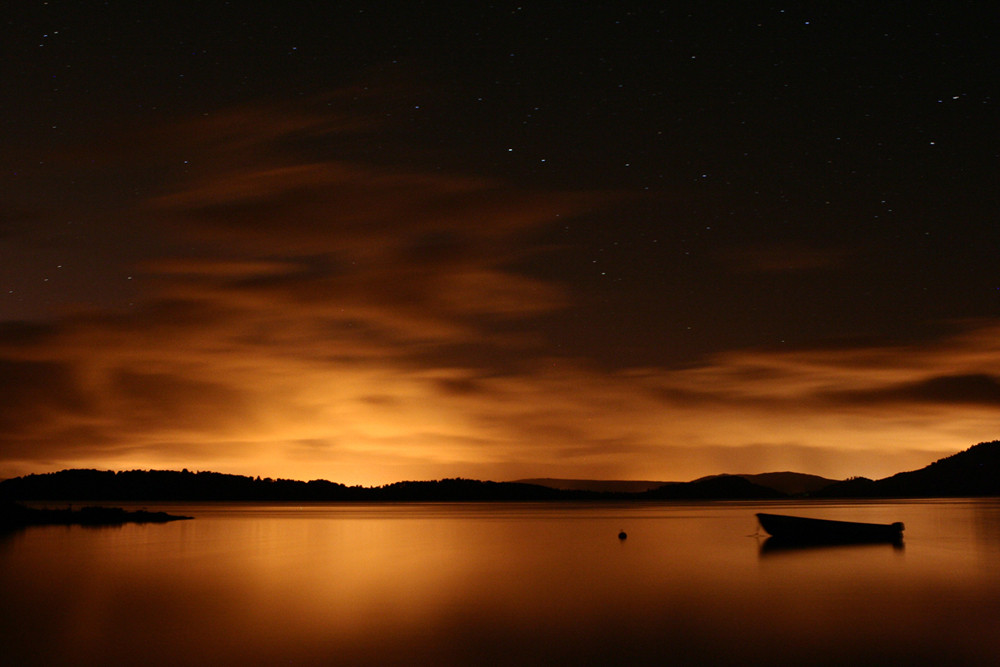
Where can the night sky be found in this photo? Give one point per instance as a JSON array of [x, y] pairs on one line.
[[370, 242]]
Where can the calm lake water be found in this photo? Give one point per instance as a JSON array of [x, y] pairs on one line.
[[503, 584]]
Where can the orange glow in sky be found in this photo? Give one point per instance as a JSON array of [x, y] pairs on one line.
[[324, 319], [317, 330]]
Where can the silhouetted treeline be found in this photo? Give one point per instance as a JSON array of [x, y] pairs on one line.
[[974, 472], [149, 485], [211, 486], [164, 485]]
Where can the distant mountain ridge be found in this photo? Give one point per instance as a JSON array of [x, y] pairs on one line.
[[789, 483], [973, 472], [601, 485], [718, 487]]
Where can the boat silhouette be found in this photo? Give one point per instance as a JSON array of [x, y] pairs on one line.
[[792, 530]]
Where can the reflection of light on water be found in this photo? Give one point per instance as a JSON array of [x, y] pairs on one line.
[[526, 584]]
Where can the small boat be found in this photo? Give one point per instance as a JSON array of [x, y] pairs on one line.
[[806, 530]]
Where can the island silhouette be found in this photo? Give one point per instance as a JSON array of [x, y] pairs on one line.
[[14, 515], [973, 472]]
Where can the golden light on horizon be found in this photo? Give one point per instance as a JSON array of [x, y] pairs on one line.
[[373, 423]]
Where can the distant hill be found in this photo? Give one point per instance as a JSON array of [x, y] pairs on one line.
[[855, 487], [468, 490], [718, 487], [974, 472], [600, 485], [789, 483]]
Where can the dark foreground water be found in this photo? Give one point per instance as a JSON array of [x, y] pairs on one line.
[[503, 584]]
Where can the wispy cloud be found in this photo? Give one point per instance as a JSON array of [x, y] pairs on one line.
[[313, 317]]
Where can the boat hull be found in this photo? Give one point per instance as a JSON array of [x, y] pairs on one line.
[[807, 530]]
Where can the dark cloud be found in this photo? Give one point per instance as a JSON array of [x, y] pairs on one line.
[[459, 385], [34, 394], [154, 400], [972, 389], [390, 256], [19, 333]]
